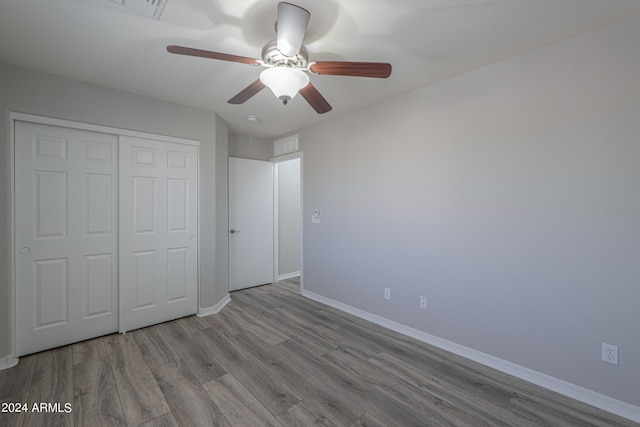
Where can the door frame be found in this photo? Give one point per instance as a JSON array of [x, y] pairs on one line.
[[276, 160], [14, 116]]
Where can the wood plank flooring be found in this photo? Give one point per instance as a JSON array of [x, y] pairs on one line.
[[274, 358]]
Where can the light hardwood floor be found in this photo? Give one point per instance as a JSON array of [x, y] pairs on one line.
[[274, 358]]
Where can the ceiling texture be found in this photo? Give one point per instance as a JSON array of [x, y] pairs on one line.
[[426, 41]]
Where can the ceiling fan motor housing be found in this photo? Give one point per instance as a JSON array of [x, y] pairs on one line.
[[272, 56]]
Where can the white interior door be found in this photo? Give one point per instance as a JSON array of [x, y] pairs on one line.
[[65, 235], [158, 231], [250, 223]]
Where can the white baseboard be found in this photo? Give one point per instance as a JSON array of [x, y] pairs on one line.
[[288, 276], [204, 312], [565, 388], [8, 362]]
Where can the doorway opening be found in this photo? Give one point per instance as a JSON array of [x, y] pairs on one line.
[[288, 218]]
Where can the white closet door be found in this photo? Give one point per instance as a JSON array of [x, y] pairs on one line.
[[65, 236], [158, 230]]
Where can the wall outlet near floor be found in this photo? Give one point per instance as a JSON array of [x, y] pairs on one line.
[[387, 293], [610, 353], [423, 303]]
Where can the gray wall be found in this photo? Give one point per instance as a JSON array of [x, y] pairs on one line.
[[508, 196], [32, 92], [288, 216], [249, 147]]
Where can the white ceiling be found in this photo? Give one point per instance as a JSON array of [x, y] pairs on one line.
[[426, 41]]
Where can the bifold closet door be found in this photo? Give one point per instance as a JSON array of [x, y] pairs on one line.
[[66, 263], [158, 231]]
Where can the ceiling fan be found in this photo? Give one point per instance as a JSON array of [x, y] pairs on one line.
[[287, 63]]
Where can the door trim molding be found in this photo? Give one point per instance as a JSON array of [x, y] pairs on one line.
[[24, 117], [10, 360]]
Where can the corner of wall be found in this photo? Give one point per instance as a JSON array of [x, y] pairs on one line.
[[204, 312], [8, 362], [221, 210]]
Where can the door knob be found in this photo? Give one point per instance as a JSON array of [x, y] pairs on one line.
[[233, 231], [25, 250]]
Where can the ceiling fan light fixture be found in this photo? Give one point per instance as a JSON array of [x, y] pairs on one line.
[[284, 82]]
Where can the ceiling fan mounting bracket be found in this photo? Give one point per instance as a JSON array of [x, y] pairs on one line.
[[271, 56]]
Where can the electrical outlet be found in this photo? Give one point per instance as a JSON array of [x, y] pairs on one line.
[[610, 353], [423, 303], [387, 293]]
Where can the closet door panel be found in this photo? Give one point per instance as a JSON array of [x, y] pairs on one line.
[[65, 244], [98, 277], [158, 230]]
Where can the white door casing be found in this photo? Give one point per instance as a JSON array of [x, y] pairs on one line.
[[250, 223], [65, 235], [158, 231]]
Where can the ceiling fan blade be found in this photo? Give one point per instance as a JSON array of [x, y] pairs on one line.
[[247, 92], [189, 51], [379, 70], [291, 27], [315, 99]]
